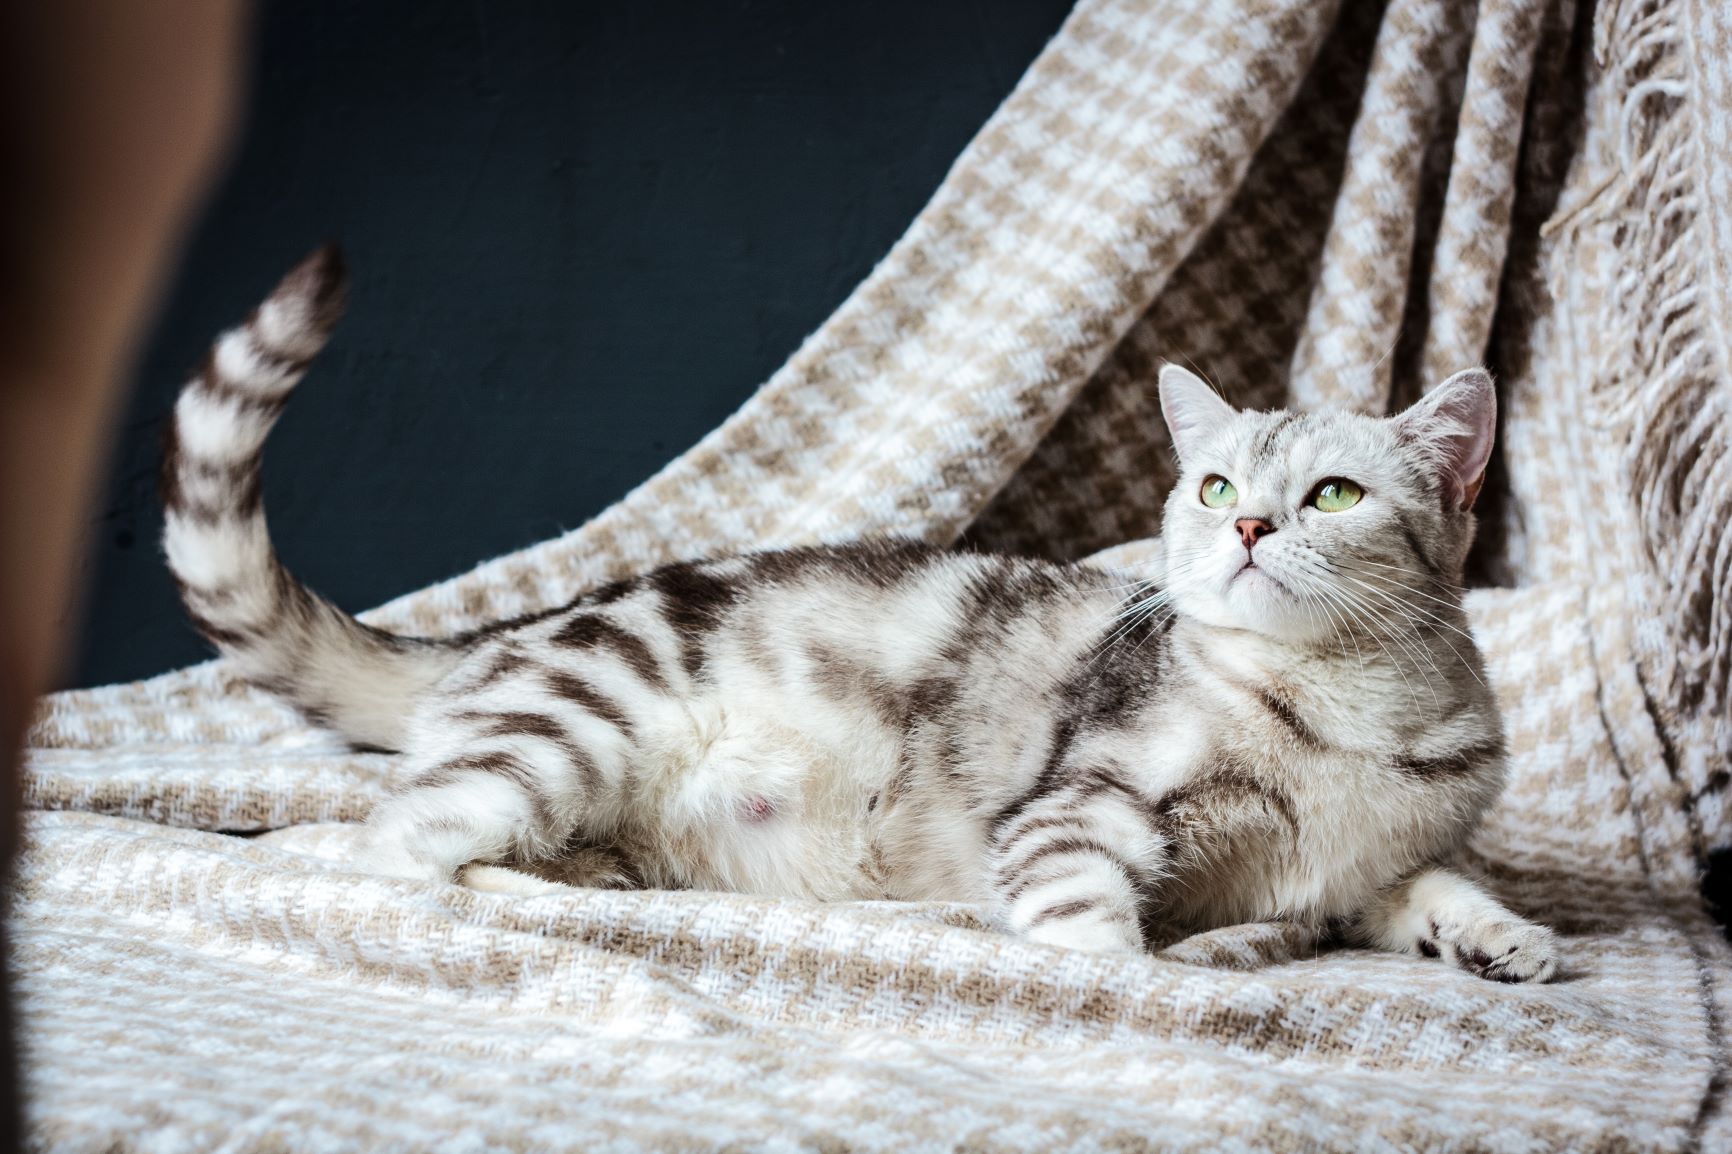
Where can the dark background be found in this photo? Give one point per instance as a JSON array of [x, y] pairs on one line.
[[580, 235]]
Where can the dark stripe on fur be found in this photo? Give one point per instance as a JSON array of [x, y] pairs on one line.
[[849, 681], [1282, 711], [1109, 690], [1453, 764], [929, 699], [611, 592], [512, 723], [1210, 797], [240, 492], [695, 602], [1064, 733], [1065, 846], [503, 664], [880, 564], [505, 765], [1034, 825], [1118, 680], [214, 633], [594, 599], [1068, 909], [1266, 442], [1098, 780], [266, 409], [517, 723], [593, 631], [275, 361], [581, 693]]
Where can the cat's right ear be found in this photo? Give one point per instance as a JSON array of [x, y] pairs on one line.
[[1455, 423], [1194, 411]]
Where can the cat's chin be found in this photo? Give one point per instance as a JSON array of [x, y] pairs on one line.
[[1259, 596], [1256, 601]]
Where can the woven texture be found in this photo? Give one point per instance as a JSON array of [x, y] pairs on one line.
[[1315, 206]]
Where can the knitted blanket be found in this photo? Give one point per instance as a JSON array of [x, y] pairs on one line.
[[1315, 204]]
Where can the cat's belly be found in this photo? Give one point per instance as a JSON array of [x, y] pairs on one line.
[[728, 796]]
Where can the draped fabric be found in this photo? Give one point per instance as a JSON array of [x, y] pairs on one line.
[[1315, 204]]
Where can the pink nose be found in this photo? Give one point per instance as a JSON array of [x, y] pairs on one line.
[[1251, 528]]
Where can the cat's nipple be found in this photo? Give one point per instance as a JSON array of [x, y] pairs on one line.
[[757, 809]]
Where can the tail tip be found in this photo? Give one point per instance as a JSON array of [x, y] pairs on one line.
[[318, 286]]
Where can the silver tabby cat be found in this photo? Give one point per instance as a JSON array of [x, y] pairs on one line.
[[1287, 719]]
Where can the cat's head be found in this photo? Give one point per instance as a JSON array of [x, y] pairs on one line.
[[1298, 525]]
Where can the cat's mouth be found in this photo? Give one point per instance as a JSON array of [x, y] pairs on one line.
[[1253, 571]]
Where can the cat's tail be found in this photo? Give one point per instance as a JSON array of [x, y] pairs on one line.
[[360, 681]]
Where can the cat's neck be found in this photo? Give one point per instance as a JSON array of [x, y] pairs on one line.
[[1427, 671]]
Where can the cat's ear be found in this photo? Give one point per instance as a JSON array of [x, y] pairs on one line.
[[1193, 410], [1455, 423]]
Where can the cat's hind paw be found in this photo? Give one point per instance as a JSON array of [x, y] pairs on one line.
[[390, 858], [492, 879]]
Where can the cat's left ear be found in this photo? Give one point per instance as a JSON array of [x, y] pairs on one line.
[[1193, 410], [1456, 423]]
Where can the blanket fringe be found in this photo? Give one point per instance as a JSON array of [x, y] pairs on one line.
[[1659, 382]]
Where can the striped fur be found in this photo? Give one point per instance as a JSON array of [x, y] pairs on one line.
[[1090, 756], [358, 680]]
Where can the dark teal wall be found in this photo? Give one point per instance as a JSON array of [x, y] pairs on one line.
[[580, 235]]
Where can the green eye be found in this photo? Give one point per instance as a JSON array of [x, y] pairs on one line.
[[1218, 492], [1336, 494]]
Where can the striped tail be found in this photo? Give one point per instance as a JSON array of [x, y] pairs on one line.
[[358, 680]]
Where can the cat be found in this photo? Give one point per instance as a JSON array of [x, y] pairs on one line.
[[1285, 719]]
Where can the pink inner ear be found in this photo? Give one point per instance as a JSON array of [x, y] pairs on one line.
[[1469, 453], [1457, 421], [1472, 492]]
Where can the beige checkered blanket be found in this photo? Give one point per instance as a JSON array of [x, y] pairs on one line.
[[1327, 205]]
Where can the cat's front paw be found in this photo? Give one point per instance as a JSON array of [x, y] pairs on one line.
[[1499, 950]]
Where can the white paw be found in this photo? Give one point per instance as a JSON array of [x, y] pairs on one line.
[[492, 879], [1095, 932], [391, 859], [1500, 950]]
